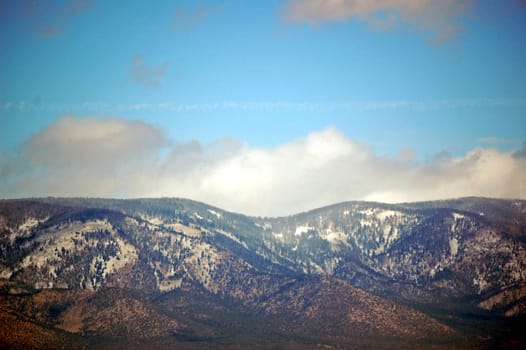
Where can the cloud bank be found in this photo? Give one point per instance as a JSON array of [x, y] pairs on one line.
[[122, 158], [438, 18]]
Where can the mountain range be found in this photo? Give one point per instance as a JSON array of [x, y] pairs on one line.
[[156, 273]]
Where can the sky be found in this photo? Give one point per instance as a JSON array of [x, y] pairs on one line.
[[263, 107]]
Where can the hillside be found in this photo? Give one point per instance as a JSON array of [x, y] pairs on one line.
[[156, 272]]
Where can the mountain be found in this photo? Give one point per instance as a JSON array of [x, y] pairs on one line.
[[157, 273]]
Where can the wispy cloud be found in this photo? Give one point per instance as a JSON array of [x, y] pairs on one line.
[[44, 18], [123, 158], [50, 30], [271, 106], [492, 140], [75, 7], [186, 17], [439, 19], [146, 76]]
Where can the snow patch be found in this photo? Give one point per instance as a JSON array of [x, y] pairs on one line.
[[315, 268], [278, 236], [481, 283], [367, 212], [213, 212], [191, 230], [5, 273], [453, 246], [386, 231], [301, 230], [28, 224], [127, 254], [169, 285], [366, 222], [153, 220], [458, 216], [24, 229], [384, 214], [232, 237], [334, 237], [370, 216]]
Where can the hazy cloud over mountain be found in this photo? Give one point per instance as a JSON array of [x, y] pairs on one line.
[[99, 157], [123, 158]]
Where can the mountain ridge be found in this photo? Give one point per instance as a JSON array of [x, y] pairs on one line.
[[407, 258]]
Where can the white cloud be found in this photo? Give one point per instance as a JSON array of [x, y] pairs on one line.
[[89, 156], [123, 158]]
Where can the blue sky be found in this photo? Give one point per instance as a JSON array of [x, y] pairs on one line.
[[431, 78]]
